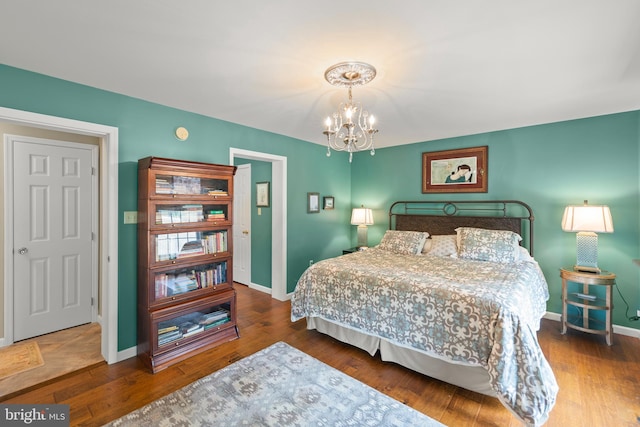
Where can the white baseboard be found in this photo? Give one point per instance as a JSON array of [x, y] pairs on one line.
[[127, 353], [260, 288], [622, 330]]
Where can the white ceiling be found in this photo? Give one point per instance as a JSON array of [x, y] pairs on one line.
[[445, 68]]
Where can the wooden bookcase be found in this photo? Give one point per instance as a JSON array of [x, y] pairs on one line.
[[186, 300]]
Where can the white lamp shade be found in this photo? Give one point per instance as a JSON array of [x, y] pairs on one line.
[[587, 218], [361, 216]]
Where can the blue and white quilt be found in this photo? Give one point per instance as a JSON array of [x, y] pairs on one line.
[[470, 312]]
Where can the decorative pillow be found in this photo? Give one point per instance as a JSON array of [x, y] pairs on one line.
[[443, 246], [488, 245], [403, 242]]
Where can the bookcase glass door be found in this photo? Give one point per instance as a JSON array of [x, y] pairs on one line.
[[193, 324], [186, 244], [193, 213], [188, 185], [179, 281]]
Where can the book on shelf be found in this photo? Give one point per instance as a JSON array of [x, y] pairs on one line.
[[161, 281], [188, 327], [215, 215], [216, 242], [163, 186], [209, 318], [191, 248], [216, 323], [169, 337], [167, 329], [181, 283], [193, 332]]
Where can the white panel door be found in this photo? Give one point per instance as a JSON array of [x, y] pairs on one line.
[[53, 188], [242, 225]]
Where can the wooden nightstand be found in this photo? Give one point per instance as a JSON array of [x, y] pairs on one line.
[[588, 302]]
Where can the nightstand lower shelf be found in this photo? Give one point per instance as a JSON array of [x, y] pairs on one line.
[[594, 326]]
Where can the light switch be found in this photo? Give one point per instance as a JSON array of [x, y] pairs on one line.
[[131, 217], [259, 211]]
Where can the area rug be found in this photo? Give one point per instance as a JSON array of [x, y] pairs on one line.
[[18, 358], [277, 386]]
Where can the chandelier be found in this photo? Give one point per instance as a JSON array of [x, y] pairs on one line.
[[351, 128]]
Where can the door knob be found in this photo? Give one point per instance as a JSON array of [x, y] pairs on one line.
[[23, 251], [245, 231]]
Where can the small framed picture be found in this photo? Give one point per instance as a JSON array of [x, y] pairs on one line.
[[313, 202], [262, 194], [327, 202]]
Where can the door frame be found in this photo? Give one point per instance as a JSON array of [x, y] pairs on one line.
[[9, 191], [108, 258], [279, 217]]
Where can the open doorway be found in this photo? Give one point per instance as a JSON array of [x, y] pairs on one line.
[[108, 247], [279, 217]]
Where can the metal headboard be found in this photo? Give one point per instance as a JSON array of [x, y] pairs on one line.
[[443, 217]]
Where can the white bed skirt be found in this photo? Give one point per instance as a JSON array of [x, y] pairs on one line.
[[474, 378]]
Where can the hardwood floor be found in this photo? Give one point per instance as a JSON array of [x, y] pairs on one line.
[[599, 385], [64, 352]]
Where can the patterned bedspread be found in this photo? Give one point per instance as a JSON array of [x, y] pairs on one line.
[[468, 312]]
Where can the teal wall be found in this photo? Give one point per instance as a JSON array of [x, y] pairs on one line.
[[147, 129], [548, 167]]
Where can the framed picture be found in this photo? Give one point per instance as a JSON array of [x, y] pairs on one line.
[[262, 194], [313, 202], [327, 202], [455, 171]]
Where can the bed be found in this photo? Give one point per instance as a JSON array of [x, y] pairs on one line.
[[452, 291]]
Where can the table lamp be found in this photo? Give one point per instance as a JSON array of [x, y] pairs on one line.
[[362, 217], [587, 220]]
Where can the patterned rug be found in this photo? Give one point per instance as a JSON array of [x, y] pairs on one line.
[[277, 386], [18, 358]]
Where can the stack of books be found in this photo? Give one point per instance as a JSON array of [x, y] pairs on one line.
[[215, 215], [163, 186], [189, 328], [168, 334], [181, 283], [191, 248], [215, 318]]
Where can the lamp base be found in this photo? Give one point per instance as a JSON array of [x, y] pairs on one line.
[[587, 252], [585, 269], [362, 236]]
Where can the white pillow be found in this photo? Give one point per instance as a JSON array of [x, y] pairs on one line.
[[524, 255], [443, 246], [488, 245], [403, 242], [427, 246]]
